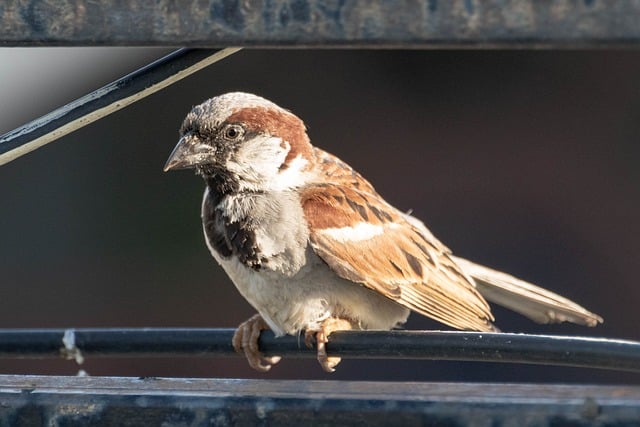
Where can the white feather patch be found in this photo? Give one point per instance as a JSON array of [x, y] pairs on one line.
[[357, 233], [292, 176]]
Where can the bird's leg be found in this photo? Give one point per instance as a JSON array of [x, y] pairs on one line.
[[245, 341], [322, 338]]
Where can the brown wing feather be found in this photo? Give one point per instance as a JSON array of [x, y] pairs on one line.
[[337, 171], [395, 259]]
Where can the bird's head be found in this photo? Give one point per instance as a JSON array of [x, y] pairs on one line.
[[243, 143]]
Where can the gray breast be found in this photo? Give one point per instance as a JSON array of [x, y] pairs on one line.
[[263, 230]]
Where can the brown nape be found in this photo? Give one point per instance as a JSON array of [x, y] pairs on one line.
[[278, 123]]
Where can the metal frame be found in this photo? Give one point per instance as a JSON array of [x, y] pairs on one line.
[[344, 23], [34, 400]]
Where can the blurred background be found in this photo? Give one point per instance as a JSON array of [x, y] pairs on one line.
[[526, 161]]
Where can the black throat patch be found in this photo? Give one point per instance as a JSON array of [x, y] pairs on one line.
[[227, 238]]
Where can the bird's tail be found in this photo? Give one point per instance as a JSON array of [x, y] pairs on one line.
[[534, 302]]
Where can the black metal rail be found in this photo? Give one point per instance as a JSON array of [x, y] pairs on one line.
[[106, 100], [432, 345], [347, 23]]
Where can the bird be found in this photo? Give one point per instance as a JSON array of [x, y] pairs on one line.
[[313, 247]]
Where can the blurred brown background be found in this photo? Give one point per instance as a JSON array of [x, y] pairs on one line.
[[526, 161]]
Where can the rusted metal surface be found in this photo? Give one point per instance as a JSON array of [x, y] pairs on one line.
[[96, 401], [347, 23], [425, 345]]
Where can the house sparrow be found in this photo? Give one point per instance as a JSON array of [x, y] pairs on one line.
[[313, 247]]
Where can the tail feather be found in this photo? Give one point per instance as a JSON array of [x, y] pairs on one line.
[[534, 302]]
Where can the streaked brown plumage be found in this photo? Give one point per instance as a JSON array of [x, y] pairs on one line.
[[312, 246]]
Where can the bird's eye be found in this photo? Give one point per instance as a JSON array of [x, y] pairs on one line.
[[233, 132]]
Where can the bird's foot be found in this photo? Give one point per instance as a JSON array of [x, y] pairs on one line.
[[322, 338], [245, 341]]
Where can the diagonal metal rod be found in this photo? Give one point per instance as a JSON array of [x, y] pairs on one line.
[[106, 100], [583, 352]]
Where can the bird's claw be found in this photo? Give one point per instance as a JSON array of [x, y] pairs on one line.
[[245, 341], [322, 338]]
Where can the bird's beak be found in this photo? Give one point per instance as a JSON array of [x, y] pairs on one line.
[[188, 153]]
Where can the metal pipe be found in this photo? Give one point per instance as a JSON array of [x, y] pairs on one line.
[[428, 345]]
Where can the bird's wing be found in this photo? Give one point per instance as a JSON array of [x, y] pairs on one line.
[[538, 304], [365, 240], [336, 171]]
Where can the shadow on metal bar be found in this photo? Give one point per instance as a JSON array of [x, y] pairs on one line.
[[106, 100], [429, 345]]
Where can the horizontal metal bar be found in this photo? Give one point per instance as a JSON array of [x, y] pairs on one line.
[[431, 345], [106, 100], [346, 23], [50, 400]]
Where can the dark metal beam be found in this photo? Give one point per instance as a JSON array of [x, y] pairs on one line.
[[345, 23], [430, 345], [79, 401]]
